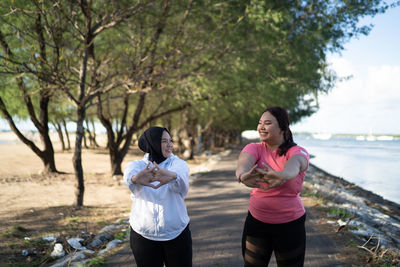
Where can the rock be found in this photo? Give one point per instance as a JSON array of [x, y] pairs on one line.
[[99, 240], [110, 246], [372, 215], [66, 261], [109, 228]]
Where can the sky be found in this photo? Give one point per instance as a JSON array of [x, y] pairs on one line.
[[369, 102]]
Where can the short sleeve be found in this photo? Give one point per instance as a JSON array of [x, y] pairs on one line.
[[298, 150], [252, 149]]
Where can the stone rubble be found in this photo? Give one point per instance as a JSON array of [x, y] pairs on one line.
[[372, 216]]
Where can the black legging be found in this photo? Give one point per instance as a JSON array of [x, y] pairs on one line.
[[286, 240], [174, 253]]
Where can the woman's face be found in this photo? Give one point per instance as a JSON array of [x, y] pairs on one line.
[[167, 146], [268, 129]]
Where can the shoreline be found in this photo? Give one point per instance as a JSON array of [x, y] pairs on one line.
[[358, 189], [370, 215]]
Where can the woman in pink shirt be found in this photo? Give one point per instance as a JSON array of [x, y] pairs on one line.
[[275, 168]]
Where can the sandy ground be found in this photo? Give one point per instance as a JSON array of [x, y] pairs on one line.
[[20, 166]]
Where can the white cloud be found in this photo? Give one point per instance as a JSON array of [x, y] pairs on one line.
[[383, 84], [367, 103]]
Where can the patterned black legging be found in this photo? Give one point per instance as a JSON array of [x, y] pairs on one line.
[[286, 240]]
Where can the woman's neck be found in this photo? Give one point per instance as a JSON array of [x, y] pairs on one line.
[[274, 145]]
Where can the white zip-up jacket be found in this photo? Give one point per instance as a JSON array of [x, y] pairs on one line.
[[159, 214]]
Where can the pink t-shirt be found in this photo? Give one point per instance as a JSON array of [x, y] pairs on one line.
[[280, 204]]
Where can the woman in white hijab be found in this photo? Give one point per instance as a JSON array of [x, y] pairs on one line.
[[159, 221]]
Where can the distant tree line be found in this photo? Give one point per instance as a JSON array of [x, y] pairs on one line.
[[204, 68]]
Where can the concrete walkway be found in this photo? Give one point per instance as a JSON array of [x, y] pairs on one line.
[[217, 207]]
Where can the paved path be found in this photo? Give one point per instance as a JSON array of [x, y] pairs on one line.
[[217, 207]]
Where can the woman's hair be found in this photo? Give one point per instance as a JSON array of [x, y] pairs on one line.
[[282, 117]]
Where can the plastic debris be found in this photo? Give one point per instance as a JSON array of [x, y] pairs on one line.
[[75, 243], [49, 238], [28, 252], [58, 251]]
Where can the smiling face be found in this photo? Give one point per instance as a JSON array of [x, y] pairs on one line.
[[167, 145], [269, 131]]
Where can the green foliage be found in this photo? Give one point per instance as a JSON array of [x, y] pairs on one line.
[[231, 59], [13, 98], [352, 243], [313, 193], [96, 262], [120, 235], [34, 243], [34, 263], [73, 219], [338, 213], [15, 231], [101, 223]]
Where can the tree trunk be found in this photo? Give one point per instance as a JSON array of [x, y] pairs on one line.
[[67, 135], [113, 144], [93, 140], [116, 160], [91, 135], [77, 158], [180, 146], [48, 161], [191, 132], [84, 138], [60, 135], [46, 155]]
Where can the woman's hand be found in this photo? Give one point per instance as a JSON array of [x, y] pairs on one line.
[[267, 175], [145, 177], [292, 168], [148, 175], [252, 178], [161, 175]]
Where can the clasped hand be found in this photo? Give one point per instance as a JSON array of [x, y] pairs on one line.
[[148, 175], [262, 178]]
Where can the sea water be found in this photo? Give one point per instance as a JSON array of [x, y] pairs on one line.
[[371, 162]]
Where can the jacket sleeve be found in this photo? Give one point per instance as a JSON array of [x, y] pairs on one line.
[[181, 183], [131, 169]]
